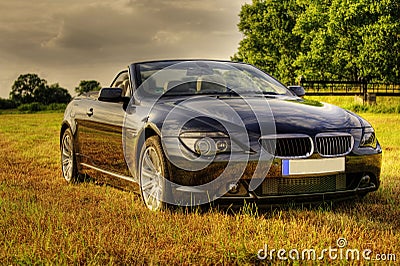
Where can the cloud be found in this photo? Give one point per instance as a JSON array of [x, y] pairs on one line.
[[134, 23], [75, 39]]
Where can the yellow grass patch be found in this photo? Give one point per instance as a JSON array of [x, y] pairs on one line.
[[43, 220]]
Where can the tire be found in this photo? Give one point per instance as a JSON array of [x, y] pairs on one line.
[[153, 173], [68, 159]]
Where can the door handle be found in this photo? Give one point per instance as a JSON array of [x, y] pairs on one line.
[[89, 112]]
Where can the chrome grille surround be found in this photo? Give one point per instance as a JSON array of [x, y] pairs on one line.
[[288, 146], [334, 144]]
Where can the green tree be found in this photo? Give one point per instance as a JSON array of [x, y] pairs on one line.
[[268, 41], [353, 38], [381, 42], [29, 88], [87, 86], [322, 39], [314, 59], [52, 94], [24, 87]]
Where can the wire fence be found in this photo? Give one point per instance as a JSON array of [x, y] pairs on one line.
[[362, 88]]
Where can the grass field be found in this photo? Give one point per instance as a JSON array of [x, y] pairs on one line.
[[43, 220], [384, 104]]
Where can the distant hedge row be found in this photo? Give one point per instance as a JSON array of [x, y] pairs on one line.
[[7, 104], [36, 107], [30, 93], [376, 109]]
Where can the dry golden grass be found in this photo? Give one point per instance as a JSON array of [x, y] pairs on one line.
[[43, 220]]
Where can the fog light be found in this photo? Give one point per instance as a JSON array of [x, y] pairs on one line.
[[365, 181]]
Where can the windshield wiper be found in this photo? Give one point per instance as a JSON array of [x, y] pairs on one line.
[[270, 93], [219, 92], [229, 92], [259, 93]]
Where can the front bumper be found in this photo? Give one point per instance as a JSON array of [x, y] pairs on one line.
[[361, 175], [311, 198]]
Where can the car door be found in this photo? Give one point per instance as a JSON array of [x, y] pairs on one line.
[[100, 132]]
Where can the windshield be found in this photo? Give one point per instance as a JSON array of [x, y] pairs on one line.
[[205, 77]]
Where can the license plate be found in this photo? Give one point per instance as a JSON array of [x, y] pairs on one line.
[[313, 166]]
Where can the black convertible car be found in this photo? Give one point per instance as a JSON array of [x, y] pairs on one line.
[[190, 132]]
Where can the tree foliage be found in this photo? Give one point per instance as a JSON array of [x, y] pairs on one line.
[[87, 86], [29, 88], [52, 94], [268, 39], [322, 39], [23, 89]]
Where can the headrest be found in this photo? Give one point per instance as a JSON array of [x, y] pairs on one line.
[[179, 86], [211, 83]]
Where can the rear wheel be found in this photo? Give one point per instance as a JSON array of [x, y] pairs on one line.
[[153, 174], [68, 161]]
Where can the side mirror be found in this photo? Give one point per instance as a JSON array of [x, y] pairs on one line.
[[110, 95], [297, 90]]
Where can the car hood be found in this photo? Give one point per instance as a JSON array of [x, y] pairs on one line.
[[289, 115]]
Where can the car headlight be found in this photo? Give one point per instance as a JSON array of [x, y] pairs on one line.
[[368, 139], [207, 143]]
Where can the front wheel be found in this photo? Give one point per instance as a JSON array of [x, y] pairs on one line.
[[153, 174], [68, 161]]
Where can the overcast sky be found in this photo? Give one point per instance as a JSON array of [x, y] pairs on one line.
[[66, 41]]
